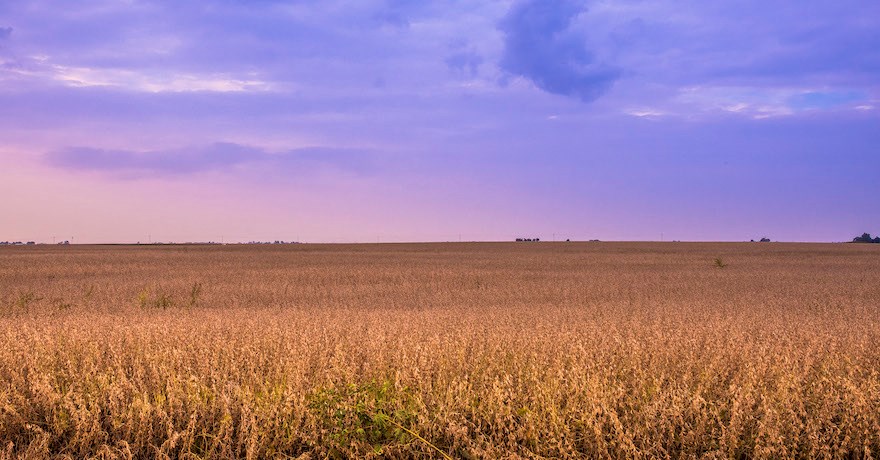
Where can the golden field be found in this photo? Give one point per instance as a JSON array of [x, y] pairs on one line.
[[474, 350]]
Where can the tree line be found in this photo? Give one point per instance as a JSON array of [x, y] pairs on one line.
[[866, 238]]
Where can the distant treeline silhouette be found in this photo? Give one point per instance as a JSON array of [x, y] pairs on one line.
[[866, 238]]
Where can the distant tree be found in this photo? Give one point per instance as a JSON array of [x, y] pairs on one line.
[[865, 238]]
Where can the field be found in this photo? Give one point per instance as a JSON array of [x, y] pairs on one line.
[[474, 350]]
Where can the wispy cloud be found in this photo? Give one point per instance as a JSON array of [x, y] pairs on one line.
[[153, 82], [221, 156], [465, 62], [766, 102], [43, 68]]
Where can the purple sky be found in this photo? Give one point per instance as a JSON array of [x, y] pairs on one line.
[[401, 120]]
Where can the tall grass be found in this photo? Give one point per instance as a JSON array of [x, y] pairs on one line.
[[421, 351]]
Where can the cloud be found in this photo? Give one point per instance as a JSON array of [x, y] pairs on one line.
[[183, 161], [283, 73], [762, 102], [236, 45], [538, 47], [826, 99], [154, 83], [5, 32], [465, 62], [830, 44], [402, 13], [219, 156], [701, 59]]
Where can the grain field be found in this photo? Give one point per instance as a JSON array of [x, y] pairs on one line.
[[473, 350]]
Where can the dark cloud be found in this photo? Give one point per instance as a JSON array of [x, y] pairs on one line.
[[538, 47], [5, 32], [215, 157]]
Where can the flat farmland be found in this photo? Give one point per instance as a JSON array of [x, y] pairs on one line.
[[458, 350]]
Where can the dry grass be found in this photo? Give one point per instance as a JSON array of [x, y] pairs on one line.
[[609, 350]]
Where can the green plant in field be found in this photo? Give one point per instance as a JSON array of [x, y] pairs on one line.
[[60, 304], [88, 292], [161, 301], [143, 298], [194, 294], [371, 415], [20, 304], [24, 301], [719, 263]]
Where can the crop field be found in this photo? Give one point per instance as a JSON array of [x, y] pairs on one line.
[[464, 350]]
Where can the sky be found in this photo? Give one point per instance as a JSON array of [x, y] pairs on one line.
[[402, 120]]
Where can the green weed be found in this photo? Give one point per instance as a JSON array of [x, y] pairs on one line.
[[372, 416]]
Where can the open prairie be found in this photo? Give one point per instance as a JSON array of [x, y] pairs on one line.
[[466, 350]]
